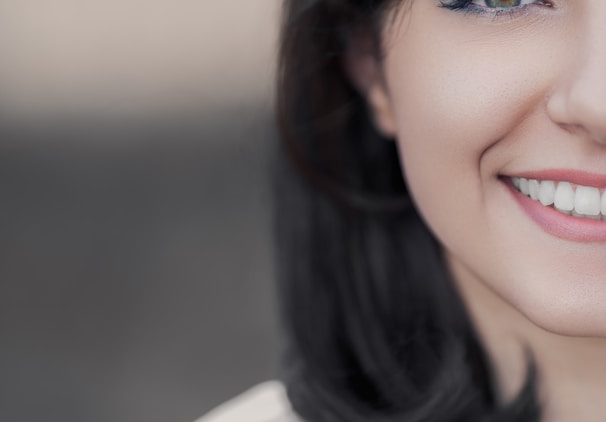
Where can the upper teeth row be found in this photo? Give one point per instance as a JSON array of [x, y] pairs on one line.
[[580, 200]]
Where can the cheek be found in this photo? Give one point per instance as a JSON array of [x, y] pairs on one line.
[[455, 103], [449, 83], [460, 98]]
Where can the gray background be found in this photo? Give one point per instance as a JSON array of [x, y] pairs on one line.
[[136, 279]]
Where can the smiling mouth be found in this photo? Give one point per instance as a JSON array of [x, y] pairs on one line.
[[566, 197]]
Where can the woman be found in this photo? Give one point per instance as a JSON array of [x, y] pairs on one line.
[[442, 253]]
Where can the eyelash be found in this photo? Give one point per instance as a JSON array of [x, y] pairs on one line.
[[467, 6]]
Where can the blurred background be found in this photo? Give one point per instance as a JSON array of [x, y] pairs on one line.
[[136, 279]]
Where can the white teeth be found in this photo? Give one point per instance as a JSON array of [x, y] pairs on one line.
[[587, 201], [524, 186], [533, 188], [516, 182], [579, 201], [564, 197], [547, 192], [575, 214]]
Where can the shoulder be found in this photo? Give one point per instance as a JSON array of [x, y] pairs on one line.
[[265, 402]]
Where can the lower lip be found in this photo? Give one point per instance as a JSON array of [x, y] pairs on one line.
[[557, 224]]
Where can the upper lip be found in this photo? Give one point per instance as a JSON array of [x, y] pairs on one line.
[[577, 177]]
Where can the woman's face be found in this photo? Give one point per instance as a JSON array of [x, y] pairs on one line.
[[492, 91]]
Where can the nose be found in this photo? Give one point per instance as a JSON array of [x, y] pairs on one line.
[[578, 101]]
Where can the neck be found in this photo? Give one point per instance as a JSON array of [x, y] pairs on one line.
[[571, 370]]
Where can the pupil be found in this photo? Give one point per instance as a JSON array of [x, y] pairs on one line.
[[503, 3]]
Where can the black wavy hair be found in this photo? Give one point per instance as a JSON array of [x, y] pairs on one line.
[[375, 329]]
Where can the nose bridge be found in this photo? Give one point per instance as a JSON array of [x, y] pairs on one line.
[[581, 99]]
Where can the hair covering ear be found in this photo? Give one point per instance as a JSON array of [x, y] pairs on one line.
[[366, 74]]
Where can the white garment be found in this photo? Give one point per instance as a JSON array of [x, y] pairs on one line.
[[265, 402]]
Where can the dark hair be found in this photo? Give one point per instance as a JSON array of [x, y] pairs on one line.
[[375, 329]]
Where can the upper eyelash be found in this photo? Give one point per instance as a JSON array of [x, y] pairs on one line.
[[455, 4], [463, 4], [467, 6]]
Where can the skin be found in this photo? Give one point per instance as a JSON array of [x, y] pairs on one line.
[[469, 98]]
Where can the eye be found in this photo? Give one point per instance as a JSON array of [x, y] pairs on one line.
[[493, 6], [502, 4]]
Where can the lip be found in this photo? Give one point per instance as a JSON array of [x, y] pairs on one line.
[[562, 175], [555, 223]]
